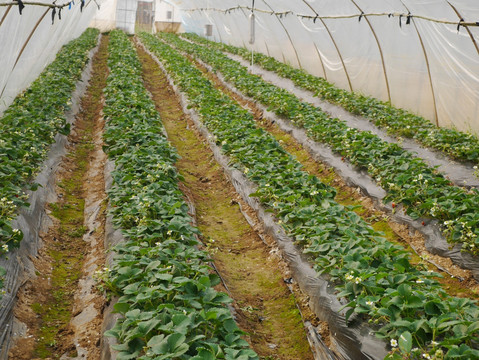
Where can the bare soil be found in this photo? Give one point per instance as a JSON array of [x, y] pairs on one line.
[[60, 306], [249, 263]]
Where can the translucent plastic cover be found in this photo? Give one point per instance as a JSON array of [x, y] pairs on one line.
[[415, 53], [105, 17], [30, 41], [126, 15]]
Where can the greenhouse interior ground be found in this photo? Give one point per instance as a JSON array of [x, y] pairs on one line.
[[270, 180]]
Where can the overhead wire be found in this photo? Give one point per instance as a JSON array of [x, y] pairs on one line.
[[50, 5], [53, 5], [407, 16]]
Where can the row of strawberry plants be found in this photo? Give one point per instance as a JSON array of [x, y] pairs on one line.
[[455, 143], [406, 178], [165, 287], [374, 275], [28, 127]]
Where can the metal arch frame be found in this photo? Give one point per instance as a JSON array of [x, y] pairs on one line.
[[467, 28], [267, 48], [5, 15], [216, 25], [321, 60], [335, 45], [289, 37], [380, 50], [217, 28], [24, 46], [266, 44], [436, 116], [27, 42], [199, 14], [214, 21]]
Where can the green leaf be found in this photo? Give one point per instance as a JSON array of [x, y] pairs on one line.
[[433, 308], [176, 343], [405, 342], [144, 327], [121, 308], [156, 340], [404, 290], [414, 302], [448, 324], [474, 327], [403, 324], [230, 325], [204, 354]]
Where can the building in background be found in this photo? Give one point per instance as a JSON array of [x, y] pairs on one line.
[[143, 15], [167, 17]]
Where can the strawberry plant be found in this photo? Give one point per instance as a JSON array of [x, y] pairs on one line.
[[459, 145], [169, 307], [407, 179], [375, 277], [28, 127]]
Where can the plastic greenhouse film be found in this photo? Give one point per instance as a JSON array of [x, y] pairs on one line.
[[26, 49], [33, 220], [354, 340], [460, 174], [434, 240], [453, 62]]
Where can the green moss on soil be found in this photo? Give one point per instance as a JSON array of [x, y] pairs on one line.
[[67, 249], [67, 259], [268, 309]]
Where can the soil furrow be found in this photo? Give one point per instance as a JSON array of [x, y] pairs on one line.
[[458, 282], [459, 173], [253, 271], [60, 307]]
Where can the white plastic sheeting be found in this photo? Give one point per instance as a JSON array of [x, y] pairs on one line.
[[29, 42], [122, 14], [422, 63], [166, 11], [105, 17], [126, 15]]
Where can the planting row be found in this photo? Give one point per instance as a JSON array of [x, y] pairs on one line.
[[30, 125], [457, 144], [374, 276], [165, 289], [406, 178]]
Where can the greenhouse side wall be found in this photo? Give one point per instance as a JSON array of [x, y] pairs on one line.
[[29, 42], [414, 54]]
